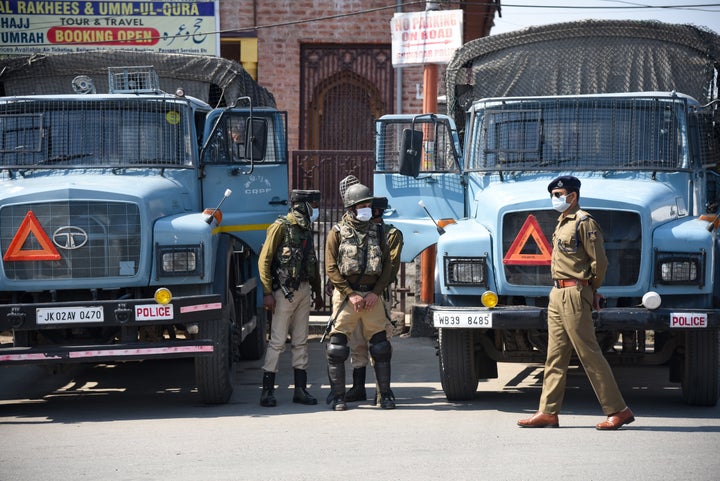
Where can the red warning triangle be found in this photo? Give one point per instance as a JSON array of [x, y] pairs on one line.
[[15, 252], [514, 254]]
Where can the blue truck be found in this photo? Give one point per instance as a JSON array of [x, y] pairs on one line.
[[600, 100], [131, 222]]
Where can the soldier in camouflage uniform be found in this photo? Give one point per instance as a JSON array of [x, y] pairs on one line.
[[290, 278], [357, 262], [359, 356]]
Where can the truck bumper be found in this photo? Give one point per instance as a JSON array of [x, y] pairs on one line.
[[114, 352], [527, 317], [128, 315]]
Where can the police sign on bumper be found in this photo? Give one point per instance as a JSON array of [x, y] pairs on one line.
[[688, 319]]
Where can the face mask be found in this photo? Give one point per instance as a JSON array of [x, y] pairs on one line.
[[314, 214], [560, 203], [364, 214]]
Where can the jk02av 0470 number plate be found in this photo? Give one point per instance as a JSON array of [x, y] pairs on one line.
[[69, 315], [476, 319]]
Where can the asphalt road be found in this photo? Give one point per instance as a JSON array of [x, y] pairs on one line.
[[144, 421]]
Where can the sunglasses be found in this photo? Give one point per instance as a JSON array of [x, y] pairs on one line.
[[559, 194]]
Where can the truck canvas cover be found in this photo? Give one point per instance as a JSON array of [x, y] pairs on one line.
[[222, 83], [585, 57]]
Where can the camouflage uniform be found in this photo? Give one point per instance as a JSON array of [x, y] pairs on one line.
[[357, 262], [359, 355], [289, 274]]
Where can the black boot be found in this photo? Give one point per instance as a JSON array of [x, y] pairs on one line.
[[301, 395], [267, 398], [384, 396], [336, 376], [357, 391]]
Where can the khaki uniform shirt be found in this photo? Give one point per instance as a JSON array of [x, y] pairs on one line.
[[395, 243], [578, 249]]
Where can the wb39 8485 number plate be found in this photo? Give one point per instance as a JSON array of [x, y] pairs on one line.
[[69, 315], [477, 319]]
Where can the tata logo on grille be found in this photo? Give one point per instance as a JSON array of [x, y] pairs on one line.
[[69, 237]]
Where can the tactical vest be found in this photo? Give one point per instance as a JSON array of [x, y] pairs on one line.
[[359, 254], [295, 260]]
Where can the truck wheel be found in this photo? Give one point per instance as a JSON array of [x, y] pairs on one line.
[[457, 364], [213, 373], [701, 373], [253, 346]]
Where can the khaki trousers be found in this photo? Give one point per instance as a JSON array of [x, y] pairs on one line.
[[290, 318], [359, 348], [570, 326], [347, 320]]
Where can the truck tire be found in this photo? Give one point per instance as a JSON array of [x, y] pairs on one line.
[[701, 372], [457, 364], [253, 346], [213, 374]]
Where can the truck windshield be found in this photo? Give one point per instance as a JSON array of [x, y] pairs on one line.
[[582, 134], [67, 133]]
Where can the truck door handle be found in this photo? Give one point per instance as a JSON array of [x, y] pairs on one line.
[[276, 201]]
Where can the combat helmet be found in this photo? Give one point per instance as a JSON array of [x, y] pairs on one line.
[[356, 194], [347, 182]]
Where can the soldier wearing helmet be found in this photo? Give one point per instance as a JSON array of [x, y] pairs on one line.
[[359, 355], [290, 277], [357, 262]]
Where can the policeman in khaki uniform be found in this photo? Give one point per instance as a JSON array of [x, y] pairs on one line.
[[359, 356], [357, 262], [578, 267], [290, 278]]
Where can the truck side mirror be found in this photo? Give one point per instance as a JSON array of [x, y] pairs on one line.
[[410, 152], [256, 139]]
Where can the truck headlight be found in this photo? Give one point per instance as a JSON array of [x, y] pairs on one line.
[[465, 271], [180, 260], [679, 269]]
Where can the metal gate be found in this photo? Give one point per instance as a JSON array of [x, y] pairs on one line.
[[322, 170], [343, 89]]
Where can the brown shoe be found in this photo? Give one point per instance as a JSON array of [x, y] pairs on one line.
[[614, 421], [540, 420]]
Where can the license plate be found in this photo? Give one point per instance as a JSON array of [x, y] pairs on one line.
[[476, 319], [69, 315], [688, 319]]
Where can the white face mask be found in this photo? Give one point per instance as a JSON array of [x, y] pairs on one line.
[[314, 214], [364, 214], [560, 203]]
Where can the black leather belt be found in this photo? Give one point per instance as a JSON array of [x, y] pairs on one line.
[[362, 287]]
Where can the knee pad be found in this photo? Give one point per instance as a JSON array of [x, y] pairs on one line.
[[378, 337], [337, 349], [381, 349]]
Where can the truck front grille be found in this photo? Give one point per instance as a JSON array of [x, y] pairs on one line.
[[70, 240], [528, 264]]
